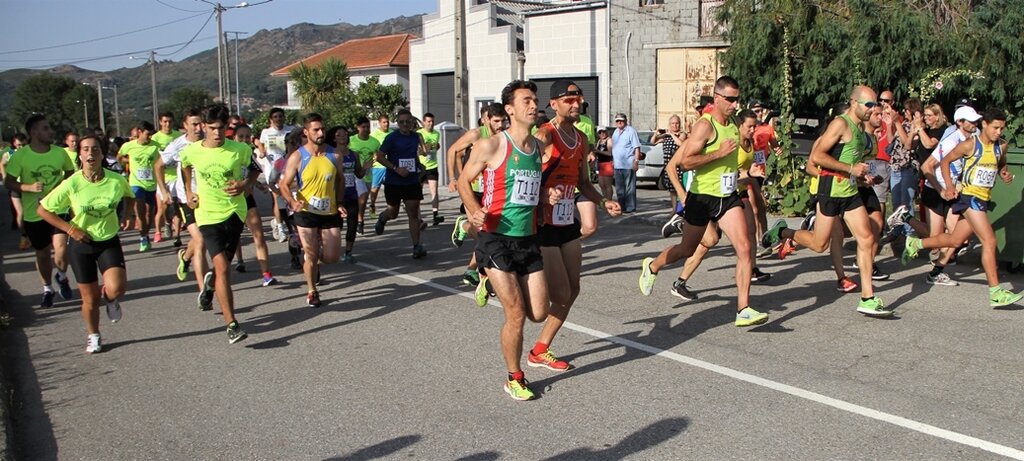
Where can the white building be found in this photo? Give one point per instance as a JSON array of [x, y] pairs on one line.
[[386, 57], [506, 40]]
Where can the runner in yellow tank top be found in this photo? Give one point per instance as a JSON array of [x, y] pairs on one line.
[[711, 152], [985, 161]]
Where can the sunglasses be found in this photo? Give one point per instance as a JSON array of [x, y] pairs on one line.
[[571, 100], [731, 99], [868, 104], [885, 101]]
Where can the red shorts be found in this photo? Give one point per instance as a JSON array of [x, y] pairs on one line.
[[606, 169]]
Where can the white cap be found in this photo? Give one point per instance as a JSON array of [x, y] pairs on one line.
[[966, 113]]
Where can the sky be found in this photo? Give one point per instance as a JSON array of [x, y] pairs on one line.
[[164, 25]]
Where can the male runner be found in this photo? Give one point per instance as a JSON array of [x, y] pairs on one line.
[[565, 149], [71, 147], [138, 156], [271, 149], [379, 171], [507, 245], [34, 170], [167, 225], [399, 153], [318, 174], [366, 147], [219, 202], [711, 151], [839, 154], [431, 140], [243, 134]]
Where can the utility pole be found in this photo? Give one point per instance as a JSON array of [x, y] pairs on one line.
[[85, 112], [117, 113], [238, 76], [218, 9], [99, 96], [461, 84], [152, 82]]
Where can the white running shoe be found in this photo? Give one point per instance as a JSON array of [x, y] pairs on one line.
[[92, 344]]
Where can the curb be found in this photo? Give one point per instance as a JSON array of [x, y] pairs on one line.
[[6, 434]]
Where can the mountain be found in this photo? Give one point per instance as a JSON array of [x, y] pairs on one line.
[[258, 56]]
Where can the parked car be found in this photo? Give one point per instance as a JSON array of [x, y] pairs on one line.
[[652, 167]]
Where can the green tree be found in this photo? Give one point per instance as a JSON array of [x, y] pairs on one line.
[[376, 99], [80, 104], [44, 93], [183, 99], [324, 88]]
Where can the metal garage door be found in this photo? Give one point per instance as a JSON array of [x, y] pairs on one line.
[[440, 96], [587, 84]]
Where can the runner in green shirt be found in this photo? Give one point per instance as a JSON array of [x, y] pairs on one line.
[[219, 202], [34, 171], [163, 227], [366, 147], [93, 194], [139, 156], [431, 142], [379, 171]]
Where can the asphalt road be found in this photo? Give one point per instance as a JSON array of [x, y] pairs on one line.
[[400, 364]]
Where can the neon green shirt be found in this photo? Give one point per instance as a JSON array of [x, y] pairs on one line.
[[379, 136], [73, 156], [214, 167], [586, 125], [431, 141], [94, 203], [366, 150], [718, 178], [30, 167], [140, 162], [162, 141]]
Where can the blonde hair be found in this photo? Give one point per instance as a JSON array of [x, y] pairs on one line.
[[940, 117]]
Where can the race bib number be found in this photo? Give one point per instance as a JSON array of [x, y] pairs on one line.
[[319, 204], [984, 177], [728, 183], [872, 169], [407, 163], [562, 213], [144, 174], [350, 180], [526, 191], [760, 158]]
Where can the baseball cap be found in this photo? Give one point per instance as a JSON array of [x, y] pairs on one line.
[[620, 116], [561, 88], [966, 113]]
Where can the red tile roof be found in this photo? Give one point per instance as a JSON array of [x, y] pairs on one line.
[[361, 53]]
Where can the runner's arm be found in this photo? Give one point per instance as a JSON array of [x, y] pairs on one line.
[[820, 152], [961, 150], [692, 156], [291, 167], [481, 155], [453, 158], [158, 167]]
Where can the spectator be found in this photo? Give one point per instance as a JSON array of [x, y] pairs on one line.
[[626, 158], [903, 162]]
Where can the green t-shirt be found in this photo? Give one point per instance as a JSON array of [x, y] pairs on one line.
[[431, 142], [379, 136], [94, 203], [73, 156], [718, 178], [30, 167], [162, 140], [214, 167], [586, 125], [365, 149], [140, 163]]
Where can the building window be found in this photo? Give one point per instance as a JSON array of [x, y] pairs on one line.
[[710, 26], [651, 2]]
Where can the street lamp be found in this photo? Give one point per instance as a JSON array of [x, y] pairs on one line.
[[117, 111], [85, 111], [99, 99], [238, 76]]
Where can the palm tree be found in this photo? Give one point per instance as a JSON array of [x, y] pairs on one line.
[[321, 87]]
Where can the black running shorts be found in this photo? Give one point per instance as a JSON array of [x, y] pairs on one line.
[[701, 209], [222, 237], [85, 257], [518, 255], [556, 236]]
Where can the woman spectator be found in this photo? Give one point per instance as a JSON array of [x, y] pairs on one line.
[[670, 140], [605, 167], [903, 162]]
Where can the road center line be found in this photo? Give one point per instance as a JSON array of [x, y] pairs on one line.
[[900, 421]]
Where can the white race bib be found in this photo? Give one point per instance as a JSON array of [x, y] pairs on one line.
[[760, 158], [319, 204], [984, 177], [144, 174], [407, 163], [350, 180], [872, 169], [728, 183], [526, 191], [562, 213]]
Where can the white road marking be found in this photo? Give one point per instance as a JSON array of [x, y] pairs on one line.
[[900, 421]]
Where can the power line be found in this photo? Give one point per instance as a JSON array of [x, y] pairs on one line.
[[100, 58], [102, 38], [176, 8], [189, 42]]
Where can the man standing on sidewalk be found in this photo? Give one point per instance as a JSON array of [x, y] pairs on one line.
[[626, 156]]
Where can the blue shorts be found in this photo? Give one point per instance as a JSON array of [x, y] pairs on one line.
[[378, 177], [969, 202], [143, 195]]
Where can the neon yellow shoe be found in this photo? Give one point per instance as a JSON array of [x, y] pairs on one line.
[[749, 317], [647, 277], [519, 389], [874, 307], [999, 297], [481, 291], [910, 249]]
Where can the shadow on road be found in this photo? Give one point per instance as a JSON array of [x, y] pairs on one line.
[[380, 450]]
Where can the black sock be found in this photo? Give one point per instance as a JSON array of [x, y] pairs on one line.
[[681, 281], [867, 299], [936, 270]]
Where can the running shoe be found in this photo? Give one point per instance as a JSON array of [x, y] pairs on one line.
[[458, 233], [764, 253], [240, 267], [519, 389], [144, 244], [177, 242], [47, 299], [348, 258], [471, 277], [113, 309], [275, 230], [999, 297], [910, 249], [546, 360], [359, 228], [63, 286], [749, 317], [373, 213], [167, 230], [877, 274], [680, 290], [758, 276], [899, 217], [438, 219], [283, 231], [482, 293], [773, 235], [941, 279], [808, 222], [846, 285], [673, 226], [206, 295], [158, 237], [647, 277], [235, 333], [24, 243], [963, 249], [787, 248], [378, 228], [313, 299], [182, 271], [296, 263], [418, 252], [873, 307], [92, 344], [269, 280]]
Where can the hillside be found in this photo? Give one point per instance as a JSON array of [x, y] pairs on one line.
[[259, 54]]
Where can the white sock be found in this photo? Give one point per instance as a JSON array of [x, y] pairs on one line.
[[47, 288]]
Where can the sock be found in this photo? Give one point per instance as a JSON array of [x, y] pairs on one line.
[[516, 376], [936, 270], [435, 212], [867, 299], [47, 288], [681, 281], [539, 348]]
